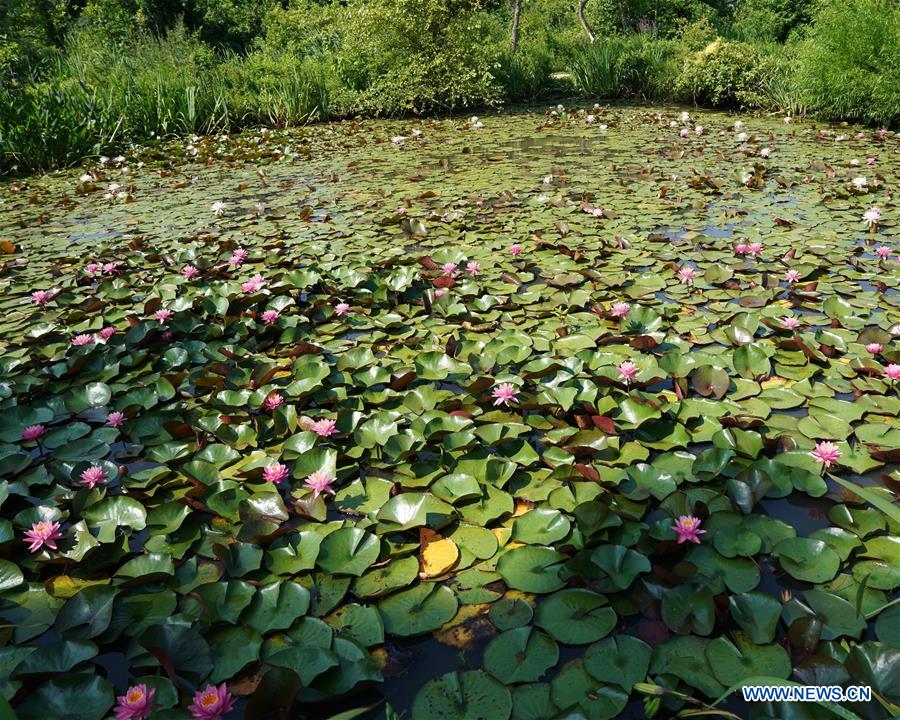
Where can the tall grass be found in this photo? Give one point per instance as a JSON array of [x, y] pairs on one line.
[[94, 97], [630, 66]]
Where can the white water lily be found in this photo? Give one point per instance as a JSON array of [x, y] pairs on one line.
[[416, 133], [871, 217], [685, 116], [738, 125], [87, 177], [398, 139], [860, 182], [765, 152], [218, 207], [474, 122], [854, 162], [590, 119], [742, 137]]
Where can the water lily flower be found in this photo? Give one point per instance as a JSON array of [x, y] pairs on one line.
[[40, 297], [619, 309], [93, 475], [515, 250], [341, 309], [688, 529], [110, 268], [790, 323], [324, 427], [740, 249], [135, 704], [218, 207], [398, 139], [883, 251], [253, 285], [273, 401], [473, 268], [162, 316], [83, 339], [190, 272], [237, 257], [504, 394], [115, 419], [449, 269], [892, 371], [440, 292], [742, 137], [685, 116], [871, 217], [590, 119], [874, 347], [792, 276], [698, 130], [270, 316], [854, 162], [416, 133], [754, 249], [107, 332], [683, 132], [686, 275], [765, 152], [320, 483], [826, 453], [33, 432], [788, 120], [92, 268], [212, 703], [43, 533], [275, 472], [860, 182], [738, 124], [870, 161], [474, 122], [627, 371]]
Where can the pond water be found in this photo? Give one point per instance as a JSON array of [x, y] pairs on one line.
[[495, 539]]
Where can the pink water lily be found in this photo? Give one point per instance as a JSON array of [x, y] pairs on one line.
[[40, 297], [93, 476], [449, 269], [874, 348], [826, 453], [627, 371], [92, 268], [273, 401], [43, 533], [110, 268], [320, 483], [440, 292], [83, 339], [515, 250], [162, 316], [212, 703], [684, 132], [892, 371], [792, 276], [883, 251], [115, 419], [270, 316], [275, 472], [190, 272], [33, 432], [253, 285], [686, 275], [473, 268], [324, 427], [688, 529], [237, 257], [107, 332], [754, 249], [504, 394], [740, 249], [790, 323], [341, 309], [135, 704], [619, 309]]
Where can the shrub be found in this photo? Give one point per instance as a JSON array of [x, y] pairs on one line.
[[769, 21], [634, 66], [726, 74], [849, 66], [418, 55]]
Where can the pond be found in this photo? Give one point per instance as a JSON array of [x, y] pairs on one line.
[[577, 412]]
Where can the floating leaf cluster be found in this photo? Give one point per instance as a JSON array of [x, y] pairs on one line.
[[274, 403]]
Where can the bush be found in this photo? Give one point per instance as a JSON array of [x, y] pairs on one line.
[[418, 55], [849, 66], [726, 74], [769, 21]]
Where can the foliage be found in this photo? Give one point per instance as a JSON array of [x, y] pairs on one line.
[[633, 66], [849, 66], [727, 74], [769, 21], [417, 55]]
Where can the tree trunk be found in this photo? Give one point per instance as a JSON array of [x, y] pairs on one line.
[[584, 22], [514, 35]]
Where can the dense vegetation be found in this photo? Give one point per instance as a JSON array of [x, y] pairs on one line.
[[86, 77]]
